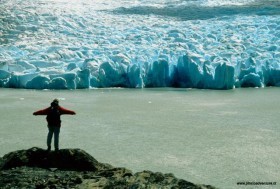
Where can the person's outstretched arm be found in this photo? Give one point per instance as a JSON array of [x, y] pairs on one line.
[[41, 112], [66, 111]]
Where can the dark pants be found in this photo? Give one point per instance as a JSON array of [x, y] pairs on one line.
[[53, 131]]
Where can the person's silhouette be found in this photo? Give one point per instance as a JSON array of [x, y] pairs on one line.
[[54, 122]]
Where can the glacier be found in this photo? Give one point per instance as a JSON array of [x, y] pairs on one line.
[[83, 44]]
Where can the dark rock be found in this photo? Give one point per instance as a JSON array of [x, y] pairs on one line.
[[68, 159], [78, 180], [74, 168], [1, 162], [185, 184], [115, 172], [40, 185], [53, 181]]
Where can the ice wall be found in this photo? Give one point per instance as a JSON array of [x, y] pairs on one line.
[[75, 45], [186, 73]]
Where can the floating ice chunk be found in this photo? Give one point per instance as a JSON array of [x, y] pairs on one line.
[[38, 82], [58, 83]]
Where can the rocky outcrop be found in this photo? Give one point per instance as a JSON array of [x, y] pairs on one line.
[[65, 159], [74, 168]]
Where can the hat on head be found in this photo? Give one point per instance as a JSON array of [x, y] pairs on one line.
[[55, 102]]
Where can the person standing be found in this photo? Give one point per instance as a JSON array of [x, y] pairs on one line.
[[54, 122]]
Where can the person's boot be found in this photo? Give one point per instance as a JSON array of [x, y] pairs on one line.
[[49, 148], [56, 149]]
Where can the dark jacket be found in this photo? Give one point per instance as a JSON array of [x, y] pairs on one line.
[[53, 119]]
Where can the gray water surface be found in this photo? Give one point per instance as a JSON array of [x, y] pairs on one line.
[[203, 136]]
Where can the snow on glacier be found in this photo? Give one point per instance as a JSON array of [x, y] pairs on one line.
[[82, 44]]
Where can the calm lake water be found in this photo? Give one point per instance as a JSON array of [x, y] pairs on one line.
[[203, 136]]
